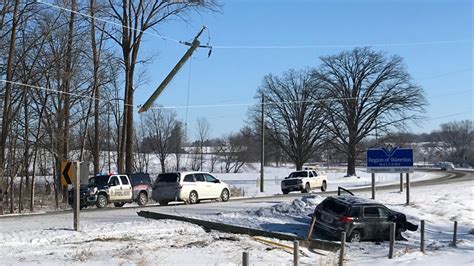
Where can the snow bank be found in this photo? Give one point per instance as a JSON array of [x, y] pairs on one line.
[[297, 208]]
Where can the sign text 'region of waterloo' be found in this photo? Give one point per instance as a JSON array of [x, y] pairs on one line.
[[390, 160]]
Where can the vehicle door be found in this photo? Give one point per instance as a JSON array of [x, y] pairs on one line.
[[189, 184], [213, 185], [318, 178], [202, 186], [114, 188], [312, 179], [384, 230], [375, 224], [125, 188]]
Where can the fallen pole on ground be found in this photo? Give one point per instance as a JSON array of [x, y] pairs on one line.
[[312, 244]]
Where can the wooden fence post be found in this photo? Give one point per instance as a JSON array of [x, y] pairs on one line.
[[392, 240], [455, 234], [296, 251], [245, 259], [422, 236], [343, 246]]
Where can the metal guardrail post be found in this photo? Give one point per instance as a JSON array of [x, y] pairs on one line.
[[373, 185]]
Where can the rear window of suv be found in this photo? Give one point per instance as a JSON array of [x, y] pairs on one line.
[[168, 178], [334, 206], [140, 178]]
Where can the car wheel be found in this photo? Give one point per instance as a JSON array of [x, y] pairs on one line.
[[285, 191], [225, 195], [142, 199], [306, 189], [324, 186], [163, 202], [193, 197], [355, 236], [119, 204], [102, 201]]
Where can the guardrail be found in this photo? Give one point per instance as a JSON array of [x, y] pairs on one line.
[[208, 225]]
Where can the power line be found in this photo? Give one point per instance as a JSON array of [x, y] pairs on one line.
[[287, 102], [62, 92], [111, 22], [206, 105], [450, 115], [337, 45], [261, 46]]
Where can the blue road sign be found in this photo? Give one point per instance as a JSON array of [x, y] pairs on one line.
[[390, 160]]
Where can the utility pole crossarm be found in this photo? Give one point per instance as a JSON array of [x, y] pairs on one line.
[[194, 45]]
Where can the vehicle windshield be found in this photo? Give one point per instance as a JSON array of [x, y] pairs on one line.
[[298, 174], [168, 178], [100, 180]]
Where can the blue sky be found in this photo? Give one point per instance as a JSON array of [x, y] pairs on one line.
[[232, 76]]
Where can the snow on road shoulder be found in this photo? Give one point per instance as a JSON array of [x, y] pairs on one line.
[[281, 217], [144, 242], [438, 205]]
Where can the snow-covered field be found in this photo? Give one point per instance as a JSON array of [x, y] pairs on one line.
[[121, 237], [438, 205]]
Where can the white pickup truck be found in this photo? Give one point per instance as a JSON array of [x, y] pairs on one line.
[[304, 181]]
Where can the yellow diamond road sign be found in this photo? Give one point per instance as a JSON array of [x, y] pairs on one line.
[[68, 175]]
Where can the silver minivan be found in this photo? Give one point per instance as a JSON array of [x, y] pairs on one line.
[[190, 187]]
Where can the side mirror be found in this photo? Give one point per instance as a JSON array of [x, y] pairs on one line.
[[217, 181]]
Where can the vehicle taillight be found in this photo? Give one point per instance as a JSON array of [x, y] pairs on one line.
[[180, 186], [345, 219]]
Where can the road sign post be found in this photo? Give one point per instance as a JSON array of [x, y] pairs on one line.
[[70, 175], [77, 203], [373, 185], [408, 189]]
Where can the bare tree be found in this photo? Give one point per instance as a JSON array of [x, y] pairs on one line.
[[457, 137], [294, 113], [177, 139], [366, 91], [137, 17], [160, 125], [203, 128], [233, 151], [7, 103]]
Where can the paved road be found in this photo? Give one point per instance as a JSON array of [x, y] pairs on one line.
[[211, 207]]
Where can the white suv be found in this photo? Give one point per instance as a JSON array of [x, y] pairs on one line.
[[190, 187], [304, 181]]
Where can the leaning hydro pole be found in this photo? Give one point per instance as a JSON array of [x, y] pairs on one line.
[[193, 46]]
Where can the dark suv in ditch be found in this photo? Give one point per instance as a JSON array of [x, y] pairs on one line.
[[360, 218]]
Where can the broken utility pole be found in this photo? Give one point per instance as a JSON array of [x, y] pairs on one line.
[[194, 45]]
